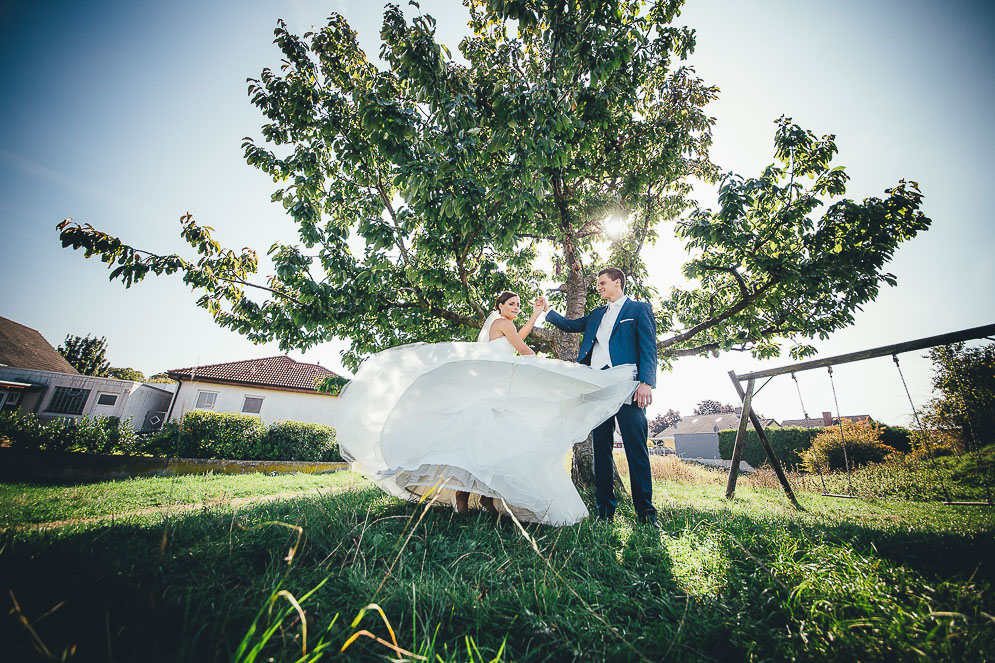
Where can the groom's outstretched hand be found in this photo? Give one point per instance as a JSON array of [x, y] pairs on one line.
[[643, 395]]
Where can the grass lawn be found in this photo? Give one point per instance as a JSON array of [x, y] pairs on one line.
[[148, 500], [751, 579]]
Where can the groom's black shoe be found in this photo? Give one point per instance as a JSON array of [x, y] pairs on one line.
[[605, 515], [648, 519]]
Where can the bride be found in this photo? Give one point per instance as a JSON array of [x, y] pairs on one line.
[[478, 424]]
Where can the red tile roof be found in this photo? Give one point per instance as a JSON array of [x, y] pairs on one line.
[[278, 372], [23, 347], [820, 422]]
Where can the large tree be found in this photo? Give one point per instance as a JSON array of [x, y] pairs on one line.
[[423, 187], [964, 381], [87, 354], [709, 406], [664, 421], [128, 373]]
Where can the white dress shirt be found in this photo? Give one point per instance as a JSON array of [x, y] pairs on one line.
[[600, 356]]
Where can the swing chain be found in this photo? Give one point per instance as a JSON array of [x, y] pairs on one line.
[[922, 429], [839, 419], [798, 387], [815, 461]]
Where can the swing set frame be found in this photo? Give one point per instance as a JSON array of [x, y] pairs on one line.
[[746, 396]]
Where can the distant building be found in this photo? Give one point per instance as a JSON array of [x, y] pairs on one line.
[[697, 435], [36, 378], [273, 388], [826, 420]]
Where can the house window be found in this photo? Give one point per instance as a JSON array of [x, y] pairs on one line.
[[252, 404], [68, 401], [206, 399], [106, 399]]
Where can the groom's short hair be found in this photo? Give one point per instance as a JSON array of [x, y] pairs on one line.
[[614, 274]]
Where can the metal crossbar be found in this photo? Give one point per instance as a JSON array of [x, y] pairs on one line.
[[883, 351]]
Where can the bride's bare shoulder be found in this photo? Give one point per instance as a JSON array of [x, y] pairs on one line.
[[501, 327]]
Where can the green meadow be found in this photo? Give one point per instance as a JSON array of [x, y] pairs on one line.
[[328, 567]]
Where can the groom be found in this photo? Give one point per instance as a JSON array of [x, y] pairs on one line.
[[623, 332]]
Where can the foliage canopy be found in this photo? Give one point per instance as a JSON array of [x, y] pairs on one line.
[[964, 378], [422, 187], [709, 406]]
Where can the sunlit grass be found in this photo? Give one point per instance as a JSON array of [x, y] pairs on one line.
[[26, 504]]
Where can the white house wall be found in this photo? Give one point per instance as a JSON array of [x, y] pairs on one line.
[[276, 406], [148, 398], [124, 406]]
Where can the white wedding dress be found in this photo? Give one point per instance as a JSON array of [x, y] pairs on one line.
[[479, 418]]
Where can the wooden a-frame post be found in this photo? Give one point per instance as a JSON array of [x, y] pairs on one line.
[[737, 451]]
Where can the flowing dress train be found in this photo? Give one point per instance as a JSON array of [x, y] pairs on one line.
[[479, 418]]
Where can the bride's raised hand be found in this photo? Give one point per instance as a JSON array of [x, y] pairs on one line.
[[539, 305]]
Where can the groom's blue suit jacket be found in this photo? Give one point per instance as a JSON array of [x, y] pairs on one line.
[[633, 340]]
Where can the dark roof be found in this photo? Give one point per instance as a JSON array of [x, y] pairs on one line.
[[23, 347], [280, 372], [820, 423], [706, 423]]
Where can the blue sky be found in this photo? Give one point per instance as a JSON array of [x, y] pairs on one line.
[[126, 115]]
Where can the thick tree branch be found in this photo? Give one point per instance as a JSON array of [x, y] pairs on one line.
[[711, 322], [743, 289]]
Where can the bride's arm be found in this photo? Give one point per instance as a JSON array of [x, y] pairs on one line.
[[507, 329], [537, 309]]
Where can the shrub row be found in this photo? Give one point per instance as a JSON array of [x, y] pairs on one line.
[[790, 443], [215, 435], [850, 445], [88, 434]]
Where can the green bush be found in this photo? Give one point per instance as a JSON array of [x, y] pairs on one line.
[[107, 435], [220, 435], [788, 444], [242, 437], [859, 443], [897, 437], [24, 430], [214, 435], [296, 440]]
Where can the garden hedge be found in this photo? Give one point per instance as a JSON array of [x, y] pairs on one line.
[[209, 435], [789, 443]]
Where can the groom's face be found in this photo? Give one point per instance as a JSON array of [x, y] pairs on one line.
[[609, 288]]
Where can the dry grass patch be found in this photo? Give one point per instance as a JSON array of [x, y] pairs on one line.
[[675, 469]]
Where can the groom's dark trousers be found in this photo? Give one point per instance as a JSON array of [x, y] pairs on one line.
[[632, 424]]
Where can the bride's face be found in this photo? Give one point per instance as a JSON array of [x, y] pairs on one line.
[[511, 308]]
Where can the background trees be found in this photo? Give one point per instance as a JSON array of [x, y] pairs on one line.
[[964, 378], [126, 374], [663, 421], [88, 354], [709, 406]]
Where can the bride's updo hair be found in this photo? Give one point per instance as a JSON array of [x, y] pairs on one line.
[[503, 297]]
